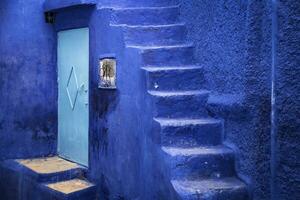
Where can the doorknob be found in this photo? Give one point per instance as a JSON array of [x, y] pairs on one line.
[[82, 88]]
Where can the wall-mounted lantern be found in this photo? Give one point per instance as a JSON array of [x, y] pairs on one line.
[[107, 73], [49, 17]]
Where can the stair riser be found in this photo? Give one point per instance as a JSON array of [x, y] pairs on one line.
[[146, 16], [49, 194], [61, 176], [204, 166], [176, 80], [180, 106], [155, 35], [172, 56], [192, 135]]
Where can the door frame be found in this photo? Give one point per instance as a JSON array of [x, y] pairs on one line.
[[81, 16]]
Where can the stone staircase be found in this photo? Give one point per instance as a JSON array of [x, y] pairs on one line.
[[50, 178], [201, 167]]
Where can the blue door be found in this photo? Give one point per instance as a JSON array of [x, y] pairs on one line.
[[73, 84]]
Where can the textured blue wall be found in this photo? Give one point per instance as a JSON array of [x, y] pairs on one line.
[[218, 30], [232, 39], [234, 43], [123, 149], [287, 92], [27, 81]]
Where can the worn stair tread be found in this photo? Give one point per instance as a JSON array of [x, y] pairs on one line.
[[161, 47], [171, 68], [144, 8], [172, 78], [194, 151], [154, 35], [141, 7], [148, 26], [146, 15], [48, 165], [178, 93], [70, 186], [207, 185], [186, 121], [162, 55]]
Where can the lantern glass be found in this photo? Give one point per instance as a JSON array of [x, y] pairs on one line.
[[107, 73]]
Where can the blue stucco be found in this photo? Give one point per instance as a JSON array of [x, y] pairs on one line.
[[233, 53], [235, 46], [287, 101], [27, 82], [122, 148]]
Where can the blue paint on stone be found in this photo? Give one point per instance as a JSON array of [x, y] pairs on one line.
[[287, 104], [121, 158], [231, 58], [234, 46], [27, 82]]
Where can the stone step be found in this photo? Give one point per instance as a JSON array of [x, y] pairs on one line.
[[139, 3], [200, 162], [175, 78], [180, 103], [46, 169], [73, 189], [190, 132], [212, 189], [146, 16], [153, 35], [174, 55], [28, 177]]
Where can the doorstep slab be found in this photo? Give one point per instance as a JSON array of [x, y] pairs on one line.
[[48, 165], [45, 169], [68, 190]]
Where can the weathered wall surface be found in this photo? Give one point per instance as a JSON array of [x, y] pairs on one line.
[[232, 39], [124, 158], [287, 92], [27, 81], [255, 160], [218, 30], [234, 43]]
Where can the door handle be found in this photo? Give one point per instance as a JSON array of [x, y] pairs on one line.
[[85, 90], [82, 88]]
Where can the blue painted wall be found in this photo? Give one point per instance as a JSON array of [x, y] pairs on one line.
[[27, 81], [233, 40], [220, 41], [123, 147], [287, 92], [234, 43]]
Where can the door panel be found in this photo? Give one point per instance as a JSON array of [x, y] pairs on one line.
[[73, 80]]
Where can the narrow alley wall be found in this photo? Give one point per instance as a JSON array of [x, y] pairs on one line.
[[234, 44], [235, 51], [27, 81], [287, 93], [218, 30]]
